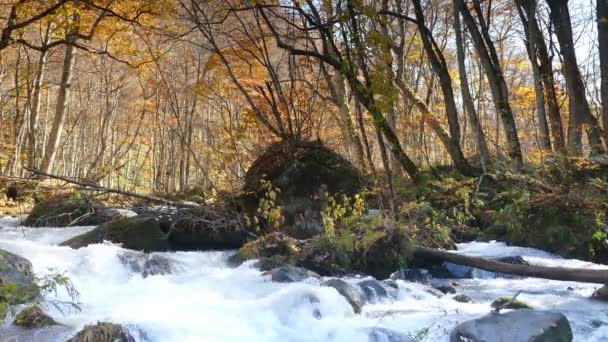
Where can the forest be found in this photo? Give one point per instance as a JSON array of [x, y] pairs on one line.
[[426, 142]]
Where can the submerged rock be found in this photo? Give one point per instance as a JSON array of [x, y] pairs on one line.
[[146, 264], [416, 275], [290, 274], [137, 233], [103, 332], [65, 210], [520, 325], [462, 298], [375, 291], [33, 317], [349, 292], [387, 335]]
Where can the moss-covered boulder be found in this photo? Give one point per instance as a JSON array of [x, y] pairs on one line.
[[272, 250], [601, 294], [137, 233], [33, 317], [68, 210], [304, 173], [509, 303], [103, 332], [17, 281]]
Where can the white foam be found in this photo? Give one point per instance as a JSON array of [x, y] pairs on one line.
[[206, 300]]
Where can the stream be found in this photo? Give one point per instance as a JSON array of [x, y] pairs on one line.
[[205, 299]]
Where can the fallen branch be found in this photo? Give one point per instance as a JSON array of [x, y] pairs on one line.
[[554, 273], [88, 185]]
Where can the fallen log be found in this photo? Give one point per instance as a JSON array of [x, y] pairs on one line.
[[93, 186], [581, 275]]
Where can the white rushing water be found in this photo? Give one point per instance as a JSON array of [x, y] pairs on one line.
[[204, 299]]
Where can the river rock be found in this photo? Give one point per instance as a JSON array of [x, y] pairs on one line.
[[415, 275], [290, 274], [51, 333], [509, 303], [103, 332], [462, 298], [601, 294], [375, 291], [349, 292], [33, 317], [137, 233], [147, 264], [68, 209], [515, 326], [17, 270]]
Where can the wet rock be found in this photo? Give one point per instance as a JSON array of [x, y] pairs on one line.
[[445, 288], [349, 292], [147, 264], [462, 298], [387, 335], [601, 294], [509, 303], [16, 272], [375, 291], [270, 246], [137, 233], [304, 172], [33, 317], [415, 275], [520, 325], [69, 210], [290, 274], [103, 332]]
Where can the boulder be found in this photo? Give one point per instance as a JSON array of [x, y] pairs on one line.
[[274, 249], [137, 233], [601, 294], [290, 274], [103, 332], [349, 292], [445, 288], [375, 291], [519, 325], [146, 264], [305, 173], [17, 281], [33, 317], [69, 210]]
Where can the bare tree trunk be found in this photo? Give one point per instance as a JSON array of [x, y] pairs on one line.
[[527, 13], [602, 29], [467, 99], [580, 112], [36, 99], [62, 98], [493, 70]]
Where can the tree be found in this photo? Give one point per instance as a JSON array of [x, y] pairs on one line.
[[602, 29], [580, 112]]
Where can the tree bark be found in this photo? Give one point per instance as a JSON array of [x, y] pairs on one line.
[[63, 97], [553, 273], [580, 112], [498, 86], [602, 29], [467, 98]]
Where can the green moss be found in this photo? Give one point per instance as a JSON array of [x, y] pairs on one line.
[[601, 294], [516, 304], [33, 317], [102, 332]]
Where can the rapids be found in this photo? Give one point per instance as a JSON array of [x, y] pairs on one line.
[[204, 299]]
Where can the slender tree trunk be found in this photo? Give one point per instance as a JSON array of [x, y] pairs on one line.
[[498, 86], [62, 98], [527, 13], [36, 100], [580, 112], [467, 99], [602, 29]]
